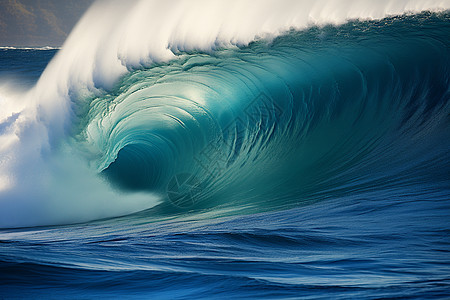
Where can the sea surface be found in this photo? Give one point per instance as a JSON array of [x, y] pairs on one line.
[[311, 165]]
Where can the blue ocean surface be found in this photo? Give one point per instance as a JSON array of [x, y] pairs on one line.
[[314, 165]]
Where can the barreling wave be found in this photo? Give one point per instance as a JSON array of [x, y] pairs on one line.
[[229, 107], [313, 112]]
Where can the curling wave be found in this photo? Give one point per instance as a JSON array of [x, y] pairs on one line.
[[303, 115], [260, 109]]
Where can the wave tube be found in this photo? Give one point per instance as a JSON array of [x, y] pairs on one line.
[[202, 105]]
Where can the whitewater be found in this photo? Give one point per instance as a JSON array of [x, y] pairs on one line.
[[277, 149]]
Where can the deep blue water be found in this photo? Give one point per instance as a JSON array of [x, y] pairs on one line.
[[344, 248], [25, 65], [329, 177]]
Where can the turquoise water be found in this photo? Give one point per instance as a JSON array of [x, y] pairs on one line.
[[314, 165]]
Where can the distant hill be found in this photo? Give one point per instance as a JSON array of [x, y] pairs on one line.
[[39, 22]]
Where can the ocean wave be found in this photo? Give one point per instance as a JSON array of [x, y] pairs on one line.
[[136, 111]]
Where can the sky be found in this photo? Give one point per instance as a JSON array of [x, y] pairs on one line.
[[38, 23]]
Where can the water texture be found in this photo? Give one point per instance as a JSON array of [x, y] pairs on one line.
[[302, 161]]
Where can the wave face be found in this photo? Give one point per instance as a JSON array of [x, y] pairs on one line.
[[256, 111], [310, 112]]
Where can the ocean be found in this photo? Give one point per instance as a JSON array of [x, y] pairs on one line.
[[310, 162]]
